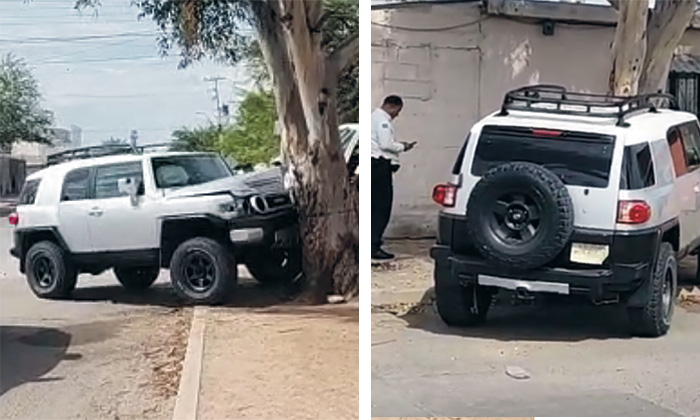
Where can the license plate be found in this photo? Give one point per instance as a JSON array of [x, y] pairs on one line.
[[594, 254]]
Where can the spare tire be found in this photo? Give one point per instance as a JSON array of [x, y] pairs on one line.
[[520, 216]]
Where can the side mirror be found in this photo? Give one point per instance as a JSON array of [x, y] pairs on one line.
[[131, 187]]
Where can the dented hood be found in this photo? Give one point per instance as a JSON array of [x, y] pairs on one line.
[[269, 181]]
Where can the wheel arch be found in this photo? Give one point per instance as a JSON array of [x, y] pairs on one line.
[[26, 238], [176, 230]]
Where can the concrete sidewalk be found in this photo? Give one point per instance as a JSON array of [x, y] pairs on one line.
[[280, 361]]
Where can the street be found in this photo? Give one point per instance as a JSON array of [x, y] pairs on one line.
[[108, 354], [576, 360]]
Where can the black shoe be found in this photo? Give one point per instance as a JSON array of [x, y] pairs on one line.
[[380, 254]]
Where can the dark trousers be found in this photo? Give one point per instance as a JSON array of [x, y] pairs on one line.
[[382, 199]]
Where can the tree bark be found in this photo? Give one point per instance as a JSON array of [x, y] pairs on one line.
[[305, 97], [664, 31], [629, 47]]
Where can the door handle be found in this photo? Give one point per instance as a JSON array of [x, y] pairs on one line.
[[95, 211]]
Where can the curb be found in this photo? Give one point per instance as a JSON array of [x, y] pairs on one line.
[[187, 399]]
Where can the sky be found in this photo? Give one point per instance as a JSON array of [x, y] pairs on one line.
[[114, 81]]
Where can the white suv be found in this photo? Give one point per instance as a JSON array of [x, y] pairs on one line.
[[137, 213], [571, 193]]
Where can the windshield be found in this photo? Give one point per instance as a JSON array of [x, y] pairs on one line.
[[181, 171]]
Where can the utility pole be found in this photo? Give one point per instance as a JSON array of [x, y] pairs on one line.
[[216, 80]]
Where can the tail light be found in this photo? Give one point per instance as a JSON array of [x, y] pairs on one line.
[[444, 194], [13, 218], [633, 212]]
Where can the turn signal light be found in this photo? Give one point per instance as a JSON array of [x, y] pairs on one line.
[[444, 194], [13, 218], [633, 212]]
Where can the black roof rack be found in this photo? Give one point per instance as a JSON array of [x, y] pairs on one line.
[[109, 150], [555, 99]]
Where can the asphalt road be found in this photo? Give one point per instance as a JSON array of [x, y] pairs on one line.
[[100, 355], [579, 359]]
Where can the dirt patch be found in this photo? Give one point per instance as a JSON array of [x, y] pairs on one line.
[[287, 361], [411, 269]]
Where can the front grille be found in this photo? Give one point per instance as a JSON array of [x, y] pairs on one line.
[[270, 203]]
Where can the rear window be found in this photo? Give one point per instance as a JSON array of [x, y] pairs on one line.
[[28, 194], [637, 168], [577, 158]]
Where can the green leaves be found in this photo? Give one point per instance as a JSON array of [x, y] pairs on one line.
[[21, 115], [251, 139]]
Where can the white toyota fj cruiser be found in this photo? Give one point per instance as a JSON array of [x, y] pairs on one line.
[[138, 213], [571, 193]]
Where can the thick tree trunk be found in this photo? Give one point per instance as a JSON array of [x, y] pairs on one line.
[[306, 106], [664, 31], [629, 48]]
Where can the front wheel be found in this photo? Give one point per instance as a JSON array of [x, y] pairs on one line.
[[654, 318], [50, 274], [460, 305], [136, 278], [203, 271], [276, 266]]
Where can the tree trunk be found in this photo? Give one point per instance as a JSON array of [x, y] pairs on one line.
[[664, 31], [629, 48], [306, 107]]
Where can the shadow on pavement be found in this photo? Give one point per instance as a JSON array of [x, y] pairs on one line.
[[28, 353], [551, 318]]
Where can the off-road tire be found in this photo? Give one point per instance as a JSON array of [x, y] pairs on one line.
[[270, 268], [459, 305], [653, 320], [64, 277], [136, 278], [223, 263], [697, 272], [544, 189]]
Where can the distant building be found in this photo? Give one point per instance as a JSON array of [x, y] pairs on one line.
[[34, 154]]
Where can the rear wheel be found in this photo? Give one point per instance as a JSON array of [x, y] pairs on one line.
[[459, 305], [50, 274], [654, 318], [203, 271], [136, 278]]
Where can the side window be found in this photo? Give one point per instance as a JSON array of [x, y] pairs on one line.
[[76, 185], [675, 144], [637, 168], [107, 177], [690, 134], [28, 194]]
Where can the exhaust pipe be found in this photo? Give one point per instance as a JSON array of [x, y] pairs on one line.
[[523, 294]]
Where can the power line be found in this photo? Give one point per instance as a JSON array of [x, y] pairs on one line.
[[76, 38]]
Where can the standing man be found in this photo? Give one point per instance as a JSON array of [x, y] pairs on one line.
[[385, 161]]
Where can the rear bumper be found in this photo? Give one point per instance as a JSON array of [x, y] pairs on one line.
[[598, 283]]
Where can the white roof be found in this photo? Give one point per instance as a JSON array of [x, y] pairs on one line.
[[645, 125]]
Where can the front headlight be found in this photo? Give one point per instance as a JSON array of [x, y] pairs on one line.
[[235, 207]]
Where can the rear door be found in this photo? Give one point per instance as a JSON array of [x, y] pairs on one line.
[[583, 161], [684, 144]]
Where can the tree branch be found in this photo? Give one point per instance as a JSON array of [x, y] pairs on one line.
[[342, 56]]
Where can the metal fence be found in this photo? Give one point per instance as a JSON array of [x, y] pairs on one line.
[[686, 88]]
